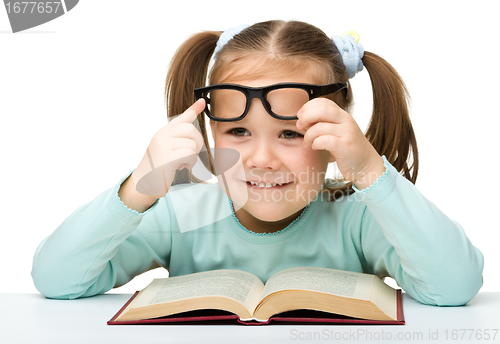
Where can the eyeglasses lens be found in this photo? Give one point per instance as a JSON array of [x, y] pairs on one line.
[[226, 103], [287, 101]]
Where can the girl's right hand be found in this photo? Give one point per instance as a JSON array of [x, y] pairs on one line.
[[173, 147]]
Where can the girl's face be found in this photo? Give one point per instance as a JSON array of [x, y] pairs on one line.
[[271, 151]]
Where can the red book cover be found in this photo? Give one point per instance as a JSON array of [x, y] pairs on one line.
[[218, 317]]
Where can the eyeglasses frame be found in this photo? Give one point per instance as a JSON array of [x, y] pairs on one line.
[[314, 91]]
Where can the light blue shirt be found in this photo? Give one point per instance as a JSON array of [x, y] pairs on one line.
[[388, 229]]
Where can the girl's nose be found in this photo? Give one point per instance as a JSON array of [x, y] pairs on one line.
[[262, 156], [262, 153]]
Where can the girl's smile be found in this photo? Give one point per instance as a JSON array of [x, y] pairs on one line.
[[266, 185]]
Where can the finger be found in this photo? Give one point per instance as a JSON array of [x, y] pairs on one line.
[[319, 110], [188, 131], [325, 142], [319, 129], [198, 106], [177, 158], [191, 113], [182, 142], [186, 158]]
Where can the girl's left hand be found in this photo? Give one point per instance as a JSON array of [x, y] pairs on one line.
[[333, 129]]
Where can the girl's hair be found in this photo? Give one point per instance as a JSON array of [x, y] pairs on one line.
[[279, 47]]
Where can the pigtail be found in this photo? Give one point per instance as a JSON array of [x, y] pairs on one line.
[[390, 130], [187, 71]]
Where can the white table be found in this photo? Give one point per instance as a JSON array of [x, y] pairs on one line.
[[31, 318]]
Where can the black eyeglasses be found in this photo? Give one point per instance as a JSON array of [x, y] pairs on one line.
[[230, 102]]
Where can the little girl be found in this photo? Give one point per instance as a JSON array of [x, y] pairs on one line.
[[279, 95]]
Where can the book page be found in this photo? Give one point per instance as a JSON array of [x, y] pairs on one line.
[[336, 282], [385, 298], [237, 285]]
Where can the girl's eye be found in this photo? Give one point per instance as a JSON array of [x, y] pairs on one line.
[[287, 134], [290, 135], [238, 131]]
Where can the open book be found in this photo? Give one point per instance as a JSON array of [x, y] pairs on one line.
[[322, 293]]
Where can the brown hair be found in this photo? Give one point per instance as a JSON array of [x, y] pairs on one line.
[[277, 46]]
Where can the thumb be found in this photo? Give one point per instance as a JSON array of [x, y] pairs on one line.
[[198, 106], [191, 112]]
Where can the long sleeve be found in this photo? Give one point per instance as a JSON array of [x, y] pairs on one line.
[[101, 245], [429, 255]]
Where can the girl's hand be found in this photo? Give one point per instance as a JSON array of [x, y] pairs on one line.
[[333, 129], [173, 147]]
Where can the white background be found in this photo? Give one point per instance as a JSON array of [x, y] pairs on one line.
[[81, 97]]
